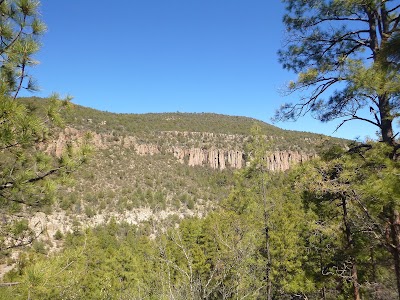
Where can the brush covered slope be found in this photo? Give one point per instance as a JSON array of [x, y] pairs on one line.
[[152, 168]]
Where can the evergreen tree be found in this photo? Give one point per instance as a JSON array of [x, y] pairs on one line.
[[275, 215], [20, 31], [353, 197], [27, 174], [345, 48]]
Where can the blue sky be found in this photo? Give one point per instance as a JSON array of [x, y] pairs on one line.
[[171, 55]]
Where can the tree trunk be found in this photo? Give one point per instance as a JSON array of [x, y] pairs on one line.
[[395, 241], [350, 244], [266, 236], [374, 270], [354, 275], [323, 293], [386, 120], [268, 267], [376, 45]]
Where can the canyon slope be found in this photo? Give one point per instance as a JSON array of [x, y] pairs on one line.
[[152, 168]]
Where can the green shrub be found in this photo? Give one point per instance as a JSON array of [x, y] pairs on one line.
[[58, 235], [39, 247], [89, 211]]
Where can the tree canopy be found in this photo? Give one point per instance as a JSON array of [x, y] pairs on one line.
[[21, 29], [27, 172], [345, 55]]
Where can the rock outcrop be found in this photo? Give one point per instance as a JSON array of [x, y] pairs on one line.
[[221, 159], [210, 156], [214, 158], [146, 149], [283, 160]]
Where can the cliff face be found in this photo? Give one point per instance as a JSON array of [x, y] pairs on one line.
[[221, 159], [214, 158], [281, 161], [214, 151]]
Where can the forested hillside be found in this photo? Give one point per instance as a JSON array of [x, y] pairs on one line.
[[149, 174], [287, 234], [137, 222], [98, 205]]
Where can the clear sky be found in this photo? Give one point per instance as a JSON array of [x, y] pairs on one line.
[[143, 56]]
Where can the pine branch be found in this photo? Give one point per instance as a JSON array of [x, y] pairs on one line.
[[15, 39], [7, 284], [11, 184], [393, 9]]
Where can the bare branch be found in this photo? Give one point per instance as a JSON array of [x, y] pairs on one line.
[[11, 184], [393, 9], [22, 77], [6, 284], [10, 146], [354, 117], [366, 120], [395, 25]]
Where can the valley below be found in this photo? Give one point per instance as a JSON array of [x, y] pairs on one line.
[[181, 206]]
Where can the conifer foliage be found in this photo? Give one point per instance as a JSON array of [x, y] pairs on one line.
[[21, 29], [26, 173], [343, 50], [347, 50]]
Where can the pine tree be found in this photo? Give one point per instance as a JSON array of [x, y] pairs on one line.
[[21, 29], [27, 174], [353, 196], [266, 201], [344, 50]]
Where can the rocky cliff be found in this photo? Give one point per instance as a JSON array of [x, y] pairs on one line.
[[217, 151]]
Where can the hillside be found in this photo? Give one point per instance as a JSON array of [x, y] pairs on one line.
[[166, 160], [166, 208], [150, 124], [152, 168]]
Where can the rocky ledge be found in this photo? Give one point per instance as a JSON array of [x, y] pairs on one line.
[[210, 156]]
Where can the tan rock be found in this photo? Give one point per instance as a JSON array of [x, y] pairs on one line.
[[214, 158]]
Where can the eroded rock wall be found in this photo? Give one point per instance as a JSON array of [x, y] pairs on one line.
[[213, 157]]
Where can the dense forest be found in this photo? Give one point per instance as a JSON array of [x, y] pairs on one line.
[[314, 232], [328, 228]]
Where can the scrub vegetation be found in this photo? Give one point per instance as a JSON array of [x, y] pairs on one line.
[[328, 228]]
